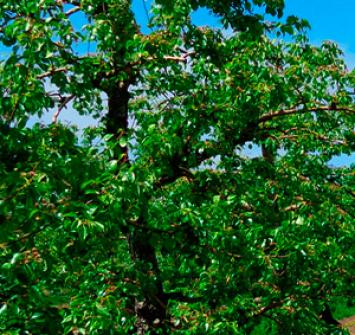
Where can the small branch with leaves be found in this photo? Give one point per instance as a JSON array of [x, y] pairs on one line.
[[63, 104]]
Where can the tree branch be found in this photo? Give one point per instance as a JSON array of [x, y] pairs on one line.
[[63, 104], [51, 72], [72, 11], [283, 112]]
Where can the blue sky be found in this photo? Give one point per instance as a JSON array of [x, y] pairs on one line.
[[330, 20]]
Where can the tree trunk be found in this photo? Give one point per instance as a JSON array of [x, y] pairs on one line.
[[151, 309]]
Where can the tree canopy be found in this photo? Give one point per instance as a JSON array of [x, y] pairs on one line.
[[157, 221]]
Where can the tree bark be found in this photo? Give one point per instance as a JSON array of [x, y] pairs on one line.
[[117, 116], [151, 309]]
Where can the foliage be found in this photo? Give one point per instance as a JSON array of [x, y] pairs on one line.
[[157, 222], [343, 308]]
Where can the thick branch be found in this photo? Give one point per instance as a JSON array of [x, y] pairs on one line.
[[249, 132], [283, 112], [51, 72]]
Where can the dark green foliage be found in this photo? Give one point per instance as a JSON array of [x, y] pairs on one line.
[[157, 222]]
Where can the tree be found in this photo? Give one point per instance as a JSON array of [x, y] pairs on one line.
[[157, 222]]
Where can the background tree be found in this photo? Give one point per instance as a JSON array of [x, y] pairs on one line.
[[162, 224]]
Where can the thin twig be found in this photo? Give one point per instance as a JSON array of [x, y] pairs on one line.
[[72, 11], [62, 105]]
